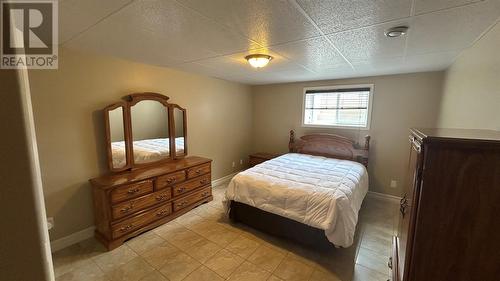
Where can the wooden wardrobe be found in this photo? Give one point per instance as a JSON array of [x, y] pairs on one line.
[[449, 225]]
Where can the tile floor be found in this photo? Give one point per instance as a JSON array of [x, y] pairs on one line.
[[204, 245]]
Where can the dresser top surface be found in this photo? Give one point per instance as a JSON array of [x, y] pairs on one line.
[[457, 134], [112, 180]]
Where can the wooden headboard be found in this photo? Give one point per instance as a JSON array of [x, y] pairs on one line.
[[329, 145]]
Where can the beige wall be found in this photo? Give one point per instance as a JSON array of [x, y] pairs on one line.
[[400, 102], [24, 247], [116, 124], [149, 120], [67, 105], [471, 95]]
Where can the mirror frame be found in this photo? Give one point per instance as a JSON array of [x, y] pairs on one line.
[[126, 131], [129, 101], [184, 122], [132, 100]]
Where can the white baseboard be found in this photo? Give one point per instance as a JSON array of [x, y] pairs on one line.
[[223, 180], [71, 239], [383, 196]]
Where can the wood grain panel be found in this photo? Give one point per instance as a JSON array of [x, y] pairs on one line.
[[132, 206], [191, 185], [452, 229], [458, 221], [112, 180], [123, 227], [193, 198], [329, 145], [198, 170], [130, 191], [170, 179]]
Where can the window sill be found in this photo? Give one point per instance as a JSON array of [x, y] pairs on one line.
[[336, 127]]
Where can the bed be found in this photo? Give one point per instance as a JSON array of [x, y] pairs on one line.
[[148, 150], [312, 194]]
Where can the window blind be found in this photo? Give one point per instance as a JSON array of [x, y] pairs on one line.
[[337, 107]]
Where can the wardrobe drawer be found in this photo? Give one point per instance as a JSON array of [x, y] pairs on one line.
[[128, 207], [191, 185], [198, 170], [134, 223], [167, 180], [129, 191], [193, 198]]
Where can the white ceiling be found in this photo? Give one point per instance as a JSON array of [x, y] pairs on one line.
[[309, 39]]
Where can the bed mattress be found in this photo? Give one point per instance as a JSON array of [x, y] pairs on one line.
[[321, 192]]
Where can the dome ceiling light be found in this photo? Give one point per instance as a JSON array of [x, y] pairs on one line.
[[258, 60], [396, 31]]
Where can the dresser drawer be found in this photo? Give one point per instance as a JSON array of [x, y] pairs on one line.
[[129, 191], [191, 185], [134, 223], [170, 179], [198, 170], [128, 207], [193, 198]]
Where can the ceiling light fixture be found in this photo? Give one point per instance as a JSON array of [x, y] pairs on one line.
[[258, 60], [396, 31]]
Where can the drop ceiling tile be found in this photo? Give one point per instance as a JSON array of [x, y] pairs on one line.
[[129, 42], [432, 61], [196, 68], [339, 15], [338, 71], [268, 22], [379, 66], [453, 29], [315, 53], [76, 16], [409, 64], [236, 65], [426, 6], [181, 26], [369, 42]]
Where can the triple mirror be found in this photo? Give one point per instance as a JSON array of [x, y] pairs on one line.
[[144, 129]]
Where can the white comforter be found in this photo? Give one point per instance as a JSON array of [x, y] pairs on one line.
[[145, 150], [321, 192]]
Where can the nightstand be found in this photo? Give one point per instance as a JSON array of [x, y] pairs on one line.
[[260, 157]]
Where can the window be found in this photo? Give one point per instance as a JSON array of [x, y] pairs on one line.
[[338, 106]]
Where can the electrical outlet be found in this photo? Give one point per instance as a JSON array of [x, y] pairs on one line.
[[394, 183], [50, 222], [234, 164], [241, 161]]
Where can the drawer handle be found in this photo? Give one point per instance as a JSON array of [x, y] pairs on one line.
[[162, 213], [171, 180], [182, 204], [205, 194], [198, 171], [389, 263], [181, 189], [133, 191], [203, 181], [403, 204], [125, 228], [161, 197], [127, 209]]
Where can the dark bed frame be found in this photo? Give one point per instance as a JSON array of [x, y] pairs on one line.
[[327, 145]]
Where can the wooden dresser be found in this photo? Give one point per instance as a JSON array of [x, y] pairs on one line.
[[129, 203], [449, 225]]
